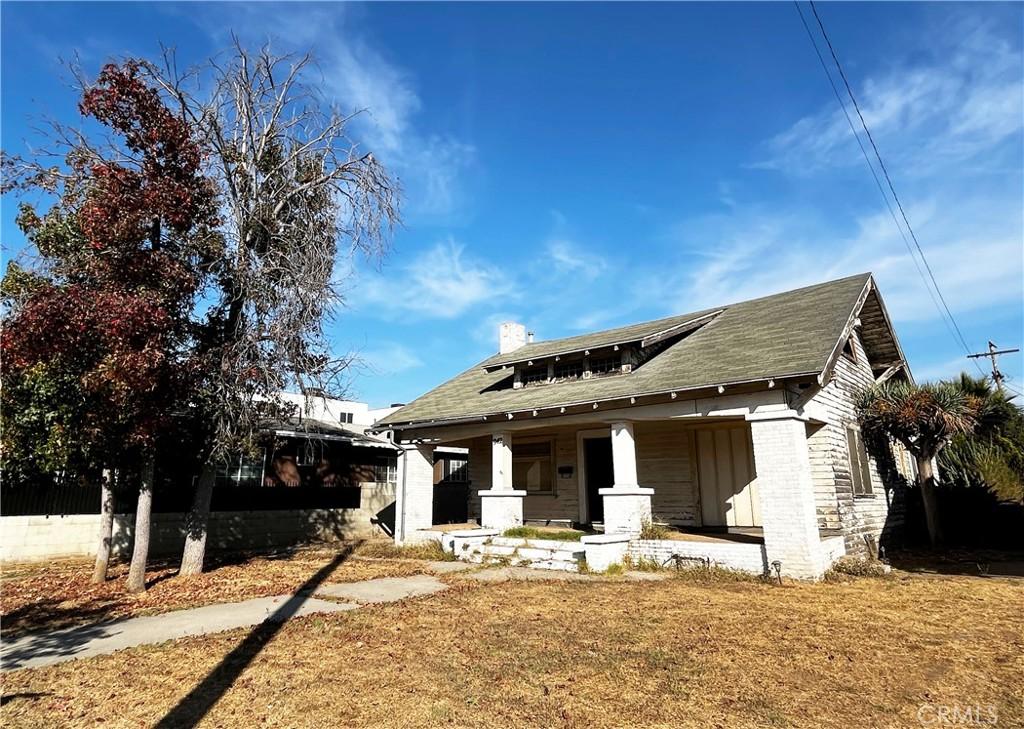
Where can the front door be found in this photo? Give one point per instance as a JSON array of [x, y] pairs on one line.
[[597, 462], [728, 483]]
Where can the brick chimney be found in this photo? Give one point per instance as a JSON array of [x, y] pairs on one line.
[[511, 336]]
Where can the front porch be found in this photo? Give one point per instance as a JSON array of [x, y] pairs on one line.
[[736, 490]]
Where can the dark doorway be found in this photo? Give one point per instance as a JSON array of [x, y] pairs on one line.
[[597, 464], [451, 502]]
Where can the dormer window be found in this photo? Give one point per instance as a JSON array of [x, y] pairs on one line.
[[534, 375], [605, 365], [572, 370]]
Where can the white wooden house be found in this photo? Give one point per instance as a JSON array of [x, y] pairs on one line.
[[734, 424]]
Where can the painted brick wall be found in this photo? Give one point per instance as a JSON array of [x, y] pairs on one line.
[[414, 502], [736, 556], [787, 495]]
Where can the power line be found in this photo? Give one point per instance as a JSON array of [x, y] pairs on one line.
[[944, 312], [871, 167], [885, 173]]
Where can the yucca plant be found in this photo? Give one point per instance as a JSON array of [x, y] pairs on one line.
[[925, 419]]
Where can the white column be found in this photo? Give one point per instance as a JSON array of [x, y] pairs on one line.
[[786, 493], [501, 506], [501, 461], [414, 497], [627, 506]]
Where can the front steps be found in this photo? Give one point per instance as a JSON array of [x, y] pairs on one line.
[[545, 554]]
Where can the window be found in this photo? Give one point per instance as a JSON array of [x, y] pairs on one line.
[[850, 351], [455, 470], [569, 370], [536, 374], [605, 365], [860, 465], [532, 466], [344, 417], [386, 471], [241, 471], [310, 453]]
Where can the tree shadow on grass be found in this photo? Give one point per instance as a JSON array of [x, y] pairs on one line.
[[198, 702]]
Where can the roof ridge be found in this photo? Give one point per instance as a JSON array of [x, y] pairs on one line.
[[690, 314]]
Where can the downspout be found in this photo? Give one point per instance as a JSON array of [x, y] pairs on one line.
[[401, 516]]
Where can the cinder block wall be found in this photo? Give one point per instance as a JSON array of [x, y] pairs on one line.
[[25, 538]]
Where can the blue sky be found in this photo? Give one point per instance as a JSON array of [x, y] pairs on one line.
[[581, 166]]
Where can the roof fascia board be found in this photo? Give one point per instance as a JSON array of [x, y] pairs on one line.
[[582, 403], [826, 373], [644, 342], [680, 328], [892, 333]]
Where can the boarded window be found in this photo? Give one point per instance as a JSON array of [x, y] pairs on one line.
[[860, 466], [532, 466]]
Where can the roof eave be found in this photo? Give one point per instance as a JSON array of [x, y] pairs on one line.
[[482, 417]]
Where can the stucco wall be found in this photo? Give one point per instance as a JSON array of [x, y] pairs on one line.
[[47, 537]]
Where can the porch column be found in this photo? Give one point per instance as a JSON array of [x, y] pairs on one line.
[[414, 496], [501, 506], [627, 505], [786, 493]]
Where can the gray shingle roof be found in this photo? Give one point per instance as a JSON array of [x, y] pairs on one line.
[[783, 335]]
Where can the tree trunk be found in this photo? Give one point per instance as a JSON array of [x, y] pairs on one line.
[[140, 552], [99, 573], [926, 480], [197, 523]]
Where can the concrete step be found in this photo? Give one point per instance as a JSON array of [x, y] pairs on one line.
[[507, 541], [534, 553], [556, 564], [496, 550]]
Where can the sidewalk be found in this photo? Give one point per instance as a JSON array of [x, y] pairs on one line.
[[45, 648]]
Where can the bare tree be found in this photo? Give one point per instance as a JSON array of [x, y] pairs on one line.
[[296, 193]]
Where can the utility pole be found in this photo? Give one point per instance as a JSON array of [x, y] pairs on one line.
[[993, 354]]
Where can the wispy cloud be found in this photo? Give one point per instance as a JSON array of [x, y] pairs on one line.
[[442, 282], [356, 76], [568, 257], [388, 358], [963, 100]]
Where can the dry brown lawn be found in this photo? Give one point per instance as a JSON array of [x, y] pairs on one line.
[[676, 653], [50, 595]]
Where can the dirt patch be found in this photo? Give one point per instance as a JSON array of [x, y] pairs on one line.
[[673, 653]]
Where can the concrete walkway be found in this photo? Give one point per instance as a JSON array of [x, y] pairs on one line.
[[35, 650]]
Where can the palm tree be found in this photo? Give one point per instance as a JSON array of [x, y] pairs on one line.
[[924, 418], [993, 455]]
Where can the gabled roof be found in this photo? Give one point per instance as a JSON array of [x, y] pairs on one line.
[[791, 334]]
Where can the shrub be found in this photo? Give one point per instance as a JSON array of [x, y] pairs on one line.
[[649, 530], [431, 550], [526, 532], [854, 566]]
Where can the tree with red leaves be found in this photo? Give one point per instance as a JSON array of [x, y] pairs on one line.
[[107, 310]]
